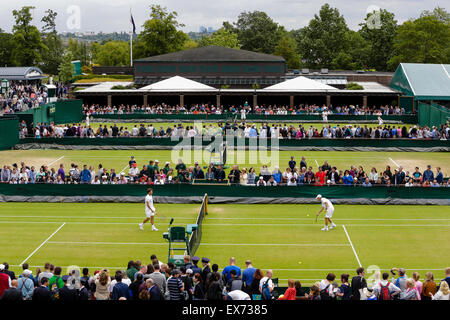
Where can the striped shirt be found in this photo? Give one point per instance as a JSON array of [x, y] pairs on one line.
[[174, 286]]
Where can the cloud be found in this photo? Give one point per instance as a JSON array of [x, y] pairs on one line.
[[113, 15]]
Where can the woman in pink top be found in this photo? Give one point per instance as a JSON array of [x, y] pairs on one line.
[[418, 284]]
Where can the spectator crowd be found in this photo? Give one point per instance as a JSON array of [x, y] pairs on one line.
[[155, 174], [243, 130], [244, 108], [197, 279]]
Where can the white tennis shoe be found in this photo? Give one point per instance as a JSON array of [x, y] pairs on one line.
[[154, 228], [332, 226], [324, 229], [141, 226]]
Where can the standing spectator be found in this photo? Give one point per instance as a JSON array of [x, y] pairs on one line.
[[428, 174], [344, 291], [235, 282], [439, 175], [5, 280], [247, 276], [158, 278], [10, 273], [266, 286], [131, 269], [13, 293], [154, 290], [26, 285], [417, 284], [68, 292], [85, 175], [199, 288], [326, 287], [292, 163], [384, 289], [401, 280], [47, 273], [410, 293], [358, 284], [226, 271], [206, 270], [443, 293], [447, 275], [102, 284], [429, 286], [120, 289], [56, 279], [175, 286], [41, 293]]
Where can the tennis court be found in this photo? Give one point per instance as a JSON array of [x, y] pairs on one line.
[[284, 238]]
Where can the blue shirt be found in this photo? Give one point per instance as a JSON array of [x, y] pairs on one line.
[[247, 275], [120, 290], [227, 270]]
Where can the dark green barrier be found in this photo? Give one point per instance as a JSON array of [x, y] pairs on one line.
[[60, 112], [225, 117], [332, 143], [233, 191], [9, 132]]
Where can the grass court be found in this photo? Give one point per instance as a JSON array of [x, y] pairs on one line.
[[284, 238]]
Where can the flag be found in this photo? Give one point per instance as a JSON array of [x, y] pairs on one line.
[[132, 22]]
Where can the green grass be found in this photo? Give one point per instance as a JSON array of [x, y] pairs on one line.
[[278, 237], [118, 159]]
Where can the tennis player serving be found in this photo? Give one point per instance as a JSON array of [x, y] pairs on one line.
[[149, 210], [329, 209]]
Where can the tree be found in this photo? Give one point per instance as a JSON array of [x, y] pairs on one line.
[[52, 55], [424, 40], [66, 69], [26, 40], [287, 48], [81, 50], [5, 48], [359, 51], [439, 13], [113, 53], [190, 44], [324, 38], [160, 34], [379, 30], [221, 38], [256, 31]]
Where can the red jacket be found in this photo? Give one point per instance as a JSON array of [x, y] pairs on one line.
[[289, 294], [4, 282]]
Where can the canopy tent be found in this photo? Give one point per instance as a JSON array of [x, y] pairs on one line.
[[300, 84], [177, 83], [21, 73], [423, 81]]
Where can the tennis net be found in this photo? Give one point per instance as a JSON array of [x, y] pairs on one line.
[[196, 235]]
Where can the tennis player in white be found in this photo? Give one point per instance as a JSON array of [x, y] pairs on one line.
[[149, 210], [329, 209]]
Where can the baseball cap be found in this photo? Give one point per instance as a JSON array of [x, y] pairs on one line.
[[2, 267], [318, 196], [27, 272], [189, 271]]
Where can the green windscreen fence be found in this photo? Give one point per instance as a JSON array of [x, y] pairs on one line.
[[432, 114], [9, 132], [60, 112], [407, 103]]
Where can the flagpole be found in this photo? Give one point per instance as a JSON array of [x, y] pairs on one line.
[[131, 48]]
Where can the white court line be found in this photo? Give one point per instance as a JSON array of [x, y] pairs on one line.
[[394, 162], [55, 161], [207, 244], [124, 169], [239, 224], [316, 162], [353, 248], [42, 244], [209, 218]]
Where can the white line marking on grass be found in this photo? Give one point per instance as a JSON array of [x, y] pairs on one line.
[[207, 244], [394, 162], [351, 244], [124, 169], [316, 162], [55, 161], [42, 244], [239, 224], [209, 218]]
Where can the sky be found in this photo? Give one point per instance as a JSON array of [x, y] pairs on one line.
[[114, 15]]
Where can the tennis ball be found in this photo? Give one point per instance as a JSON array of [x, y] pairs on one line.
[[299, 262], [307, 215]]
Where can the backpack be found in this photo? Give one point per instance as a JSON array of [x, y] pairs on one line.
[[55, 290], [384, 292], [266, 294], [324, 295]]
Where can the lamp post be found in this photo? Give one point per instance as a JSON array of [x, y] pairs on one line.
[[4, 86]]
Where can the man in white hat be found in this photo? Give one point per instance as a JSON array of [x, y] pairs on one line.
[[328, 207]]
